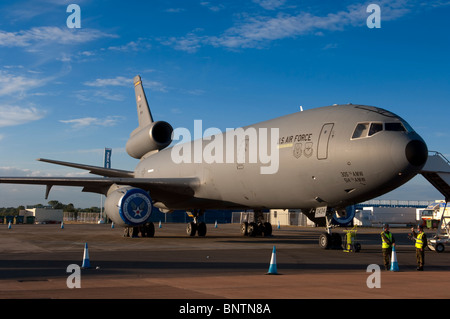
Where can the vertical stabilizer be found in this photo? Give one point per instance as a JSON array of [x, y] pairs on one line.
[[144, 115], [149, 137]]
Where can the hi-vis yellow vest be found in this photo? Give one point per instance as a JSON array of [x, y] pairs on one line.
[[419, 241], [384, 243]]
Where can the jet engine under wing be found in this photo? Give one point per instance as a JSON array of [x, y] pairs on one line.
[[175, 186], [96, 170]]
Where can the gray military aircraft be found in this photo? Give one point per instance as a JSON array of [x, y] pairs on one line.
[[320, 161]]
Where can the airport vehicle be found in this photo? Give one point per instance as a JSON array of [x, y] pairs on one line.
[[319, 160], [442, 236], [431, 216]]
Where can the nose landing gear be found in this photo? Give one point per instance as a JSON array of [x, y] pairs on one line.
[[195, 226]]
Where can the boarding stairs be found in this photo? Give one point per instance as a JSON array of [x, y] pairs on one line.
[[437, 172]]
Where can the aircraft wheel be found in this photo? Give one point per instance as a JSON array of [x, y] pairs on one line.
[[201, 229], [267, 229], [191, 229], [244, 229], [252, 229], [336, 240], [148, 230], [134, 232], [324, 241]]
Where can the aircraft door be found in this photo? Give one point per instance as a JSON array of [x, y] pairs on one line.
[[324, 138]]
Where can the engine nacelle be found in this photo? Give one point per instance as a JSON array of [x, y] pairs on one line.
[[155, 136], [128, 206]]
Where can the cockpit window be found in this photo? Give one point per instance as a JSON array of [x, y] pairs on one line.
[[366, 129], [375, 128], [370, 129], [397, 127], [361, 130]]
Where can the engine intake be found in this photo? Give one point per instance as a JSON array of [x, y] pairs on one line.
[[155, 136], [128, 206]]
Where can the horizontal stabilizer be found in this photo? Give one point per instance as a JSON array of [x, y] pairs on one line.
[[96, 170]]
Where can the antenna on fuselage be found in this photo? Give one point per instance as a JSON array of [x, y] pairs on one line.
[[301, 108]]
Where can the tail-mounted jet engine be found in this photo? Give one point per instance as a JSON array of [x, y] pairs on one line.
[[128, 206], [155, 136]]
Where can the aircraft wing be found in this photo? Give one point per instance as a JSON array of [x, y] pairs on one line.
[[181, 186], [96, 170]]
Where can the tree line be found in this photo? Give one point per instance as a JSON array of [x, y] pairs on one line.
[[54, 204]]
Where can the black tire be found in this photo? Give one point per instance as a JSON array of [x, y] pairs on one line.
[[336, 241], [324, 241], [201, 229], [244, 229], [440, 248], [191, 229], [267, 229], [149, 230], [252, 229], [134, 232]]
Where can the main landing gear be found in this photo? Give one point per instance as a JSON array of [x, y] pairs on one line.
[[257, 228], [195, 226], [146, 230]]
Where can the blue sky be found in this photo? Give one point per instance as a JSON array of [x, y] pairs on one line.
[[67, 93]]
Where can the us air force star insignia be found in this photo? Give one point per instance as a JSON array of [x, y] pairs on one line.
[[138, 209]]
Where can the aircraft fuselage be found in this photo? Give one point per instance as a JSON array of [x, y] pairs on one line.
[[331, 156]]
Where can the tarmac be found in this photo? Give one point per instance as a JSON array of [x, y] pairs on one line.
[[224, 265]]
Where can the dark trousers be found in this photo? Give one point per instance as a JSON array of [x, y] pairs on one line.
[[420, 256], [387, 252]]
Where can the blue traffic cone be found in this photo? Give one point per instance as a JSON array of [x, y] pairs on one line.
[[62, 225], [215, 225], [278, 225], [86, 261], [160, 224], [9, 225], [273, 263], [394, 263], [112, 225]]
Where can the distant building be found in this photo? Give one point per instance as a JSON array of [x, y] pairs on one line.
[[43, 215]]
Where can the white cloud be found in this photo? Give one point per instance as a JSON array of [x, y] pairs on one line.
[[212, 7], [258, 31], [270, 4], [48, 35], [117, 81], [16, 115], [93, 121], [14, 84], [126, 82], [139, 44]]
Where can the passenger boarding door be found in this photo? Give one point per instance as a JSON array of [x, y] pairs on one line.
[[324, 138]]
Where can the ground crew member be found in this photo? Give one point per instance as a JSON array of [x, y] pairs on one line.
[[421, 242], [387, 242]]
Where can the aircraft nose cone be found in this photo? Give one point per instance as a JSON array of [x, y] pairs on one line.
[[416, 152]]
